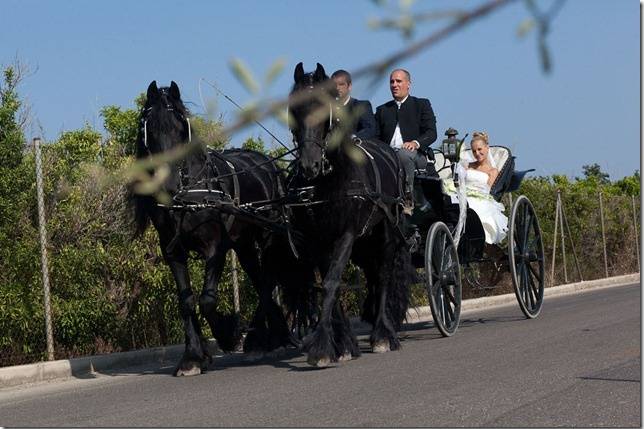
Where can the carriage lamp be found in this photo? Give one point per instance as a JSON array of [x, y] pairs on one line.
[[451, 145]]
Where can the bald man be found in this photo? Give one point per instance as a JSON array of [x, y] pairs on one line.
[[408, 125]]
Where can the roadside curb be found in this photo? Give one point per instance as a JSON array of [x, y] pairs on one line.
[[85, 366], [422, 314]]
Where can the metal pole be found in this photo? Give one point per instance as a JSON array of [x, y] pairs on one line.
[[563, 242], [43, 251], [601, 214], [572, 243], [554, 243], [233, 263], [637, 234]]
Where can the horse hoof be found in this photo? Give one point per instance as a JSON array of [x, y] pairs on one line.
[[188, 372], [319, 363], [345, 357], [254, 356], [381, 346], [278, 352]]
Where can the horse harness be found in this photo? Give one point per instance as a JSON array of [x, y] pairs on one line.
[[208, 185], [305, 196]]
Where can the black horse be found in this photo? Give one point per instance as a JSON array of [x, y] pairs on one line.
[[354, 214], [207, 187]]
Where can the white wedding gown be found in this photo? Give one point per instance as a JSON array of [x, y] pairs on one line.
[[489, 211]]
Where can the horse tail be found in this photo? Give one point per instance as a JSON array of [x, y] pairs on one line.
[[140, 207], [139, 204]]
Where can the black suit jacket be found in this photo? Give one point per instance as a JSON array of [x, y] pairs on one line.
[[364, 126], [416, 118]]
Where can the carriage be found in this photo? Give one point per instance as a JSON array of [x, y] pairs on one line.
[[449, 261]]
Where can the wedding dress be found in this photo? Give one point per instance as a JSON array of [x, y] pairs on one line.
[[489, 211]]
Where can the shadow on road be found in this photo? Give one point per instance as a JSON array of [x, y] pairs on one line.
[[294, 359], [464, 323]]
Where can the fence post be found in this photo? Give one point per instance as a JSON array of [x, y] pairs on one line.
[[601, 215], [554, 243], [43, 250], [637, 235], [233, 264], [572, 243], [563, 241]]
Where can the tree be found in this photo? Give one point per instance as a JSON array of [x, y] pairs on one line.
[[594, 172], [14, 178], [11, 138], [254, 144], [630, 185], [122, 126]]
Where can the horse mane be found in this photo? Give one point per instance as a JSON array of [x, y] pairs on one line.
[[163, 122], [310, 79]]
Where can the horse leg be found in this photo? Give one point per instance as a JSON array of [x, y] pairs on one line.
[[193, 361], [322, 349], [383, 332], [304, 303], [392, 290], [345, 340], [296, 279], [268, 330], [224, 327], [370, 305]]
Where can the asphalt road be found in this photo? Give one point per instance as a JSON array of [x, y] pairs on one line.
[[578, 364]]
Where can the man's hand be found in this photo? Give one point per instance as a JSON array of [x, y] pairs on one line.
[[412, 146]]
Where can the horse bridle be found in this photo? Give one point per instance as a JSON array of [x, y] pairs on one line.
[[170, 108], [323, 144]]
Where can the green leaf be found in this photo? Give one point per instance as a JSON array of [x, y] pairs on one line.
[[242, 72], [525, 27], [406, 4], [276, 69]]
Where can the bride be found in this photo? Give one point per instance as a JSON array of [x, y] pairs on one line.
[[480, 174]]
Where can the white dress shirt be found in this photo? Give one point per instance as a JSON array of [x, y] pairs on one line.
[[396, 139]]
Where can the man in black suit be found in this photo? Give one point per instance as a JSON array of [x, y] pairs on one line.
[[408, 125], [359, 112]]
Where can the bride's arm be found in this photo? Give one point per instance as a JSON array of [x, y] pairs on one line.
[[493, 173]]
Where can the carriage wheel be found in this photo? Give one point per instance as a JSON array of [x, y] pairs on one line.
[[525, 251], [443, 278]]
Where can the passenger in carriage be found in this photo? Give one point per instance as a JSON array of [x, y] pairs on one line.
[[480, 175], [408, 125], [359, 112]]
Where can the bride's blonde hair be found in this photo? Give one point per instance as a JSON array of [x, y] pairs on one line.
[[480, 135]]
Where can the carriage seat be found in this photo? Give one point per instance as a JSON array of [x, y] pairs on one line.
[[443, 165]]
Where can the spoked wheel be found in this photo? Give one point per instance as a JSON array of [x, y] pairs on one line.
[[443, 278], [525, 252]]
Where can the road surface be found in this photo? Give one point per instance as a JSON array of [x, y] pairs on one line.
[[577, 364]]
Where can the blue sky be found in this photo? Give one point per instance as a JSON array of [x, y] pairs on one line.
[[92, 54]]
